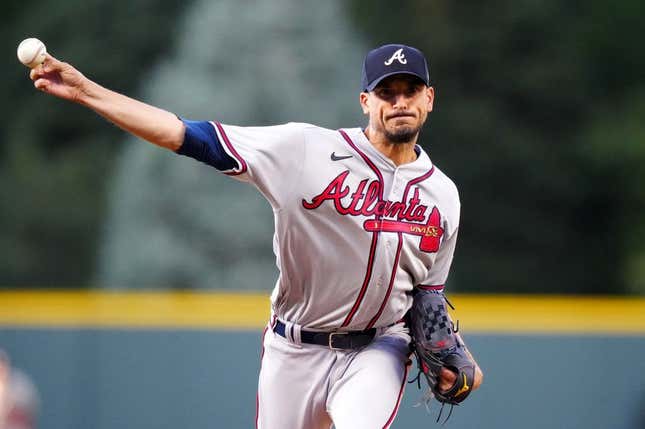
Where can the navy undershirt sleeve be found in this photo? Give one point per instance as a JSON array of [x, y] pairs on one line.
[[201, 143]]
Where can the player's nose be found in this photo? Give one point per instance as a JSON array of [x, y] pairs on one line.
[[400, 101]]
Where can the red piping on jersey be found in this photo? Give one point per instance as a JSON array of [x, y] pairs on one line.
[[257, 395], [366, 281], [367, 161], [238, 158], [400, 228], [398, 401], [375, 234], [415, 181], [389, 287], [435, 288]]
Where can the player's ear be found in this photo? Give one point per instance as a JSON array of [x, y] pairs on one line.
[[430, 96], [362, 98]]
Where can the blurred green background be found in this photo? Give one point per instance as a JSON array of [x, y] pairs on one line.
[[538, 120]]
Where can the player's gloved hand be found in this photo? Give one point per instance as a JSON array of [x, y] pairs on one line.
[[442, 357], [447, 379]]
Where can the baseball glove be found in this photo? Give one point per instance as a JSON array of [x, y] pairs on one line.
[[436, 345]]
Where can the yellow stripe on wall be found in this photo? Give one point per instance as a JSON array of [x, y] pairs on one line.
[[218, 310], [134, 309], [550, 314]]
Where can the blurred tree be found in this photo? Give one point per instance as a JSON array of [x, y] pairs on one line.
[[611, 144], [53, 162], [537, 120], [201, 229]]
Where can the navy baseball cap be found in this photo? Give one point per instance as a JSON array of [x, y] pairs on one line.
[[393, 59]]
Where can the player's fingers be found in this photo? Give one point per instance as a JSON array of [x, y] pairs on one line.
[[37, 72], [42, 84], [447, 379], [48, 65], [50, 60], [51, 64]]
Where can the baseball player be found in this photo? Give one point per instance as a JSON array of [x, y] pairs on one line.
[[19, 398], [363, 221]]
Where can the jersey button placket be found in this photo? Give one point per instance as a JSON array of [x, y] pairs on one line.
[[395, 195]]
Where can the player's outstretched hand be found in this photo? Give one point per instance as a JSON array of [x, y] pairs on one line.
[[59, 79]]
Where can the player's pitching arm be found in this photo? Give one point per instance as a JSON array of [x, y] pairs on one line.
[[150, 123]]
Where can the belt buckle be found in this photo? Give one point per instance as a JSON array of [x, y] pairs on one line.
[[331, 336]]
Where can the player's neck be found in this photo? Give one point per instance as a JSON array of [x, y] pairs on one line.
[[399, 153]]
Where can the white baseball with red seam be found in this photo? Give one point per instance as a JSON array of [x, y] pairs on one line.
[[31, 52]]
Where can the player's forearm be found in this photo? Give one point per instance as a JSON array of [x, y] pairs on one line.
[[150, 123]]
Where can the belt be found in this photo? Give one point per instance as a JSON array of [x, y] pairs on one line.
[[337, 340]]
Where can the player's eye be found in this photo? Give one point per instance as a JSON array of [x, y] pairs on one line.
[[413, 90], [384, 93]]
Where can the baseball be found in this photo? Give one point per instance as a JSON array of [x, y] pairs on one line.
[[31, 52]]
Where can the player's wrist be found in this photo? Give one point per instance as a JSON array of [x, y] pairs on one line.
[[90, 93]]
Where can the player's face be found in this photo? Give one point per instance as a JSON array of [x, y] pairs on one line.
[[398, 107]]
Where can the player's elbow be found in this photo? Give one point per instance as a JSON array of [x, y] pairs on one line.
[[170, 136]]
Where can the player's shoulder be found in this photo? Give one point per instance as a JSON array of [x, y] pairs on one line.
[[306, 128], [446, 193], [291, 128], [316, 129], [303, 126], [440, 175], [318, 135], [288, 132], [445, 184], [299, 125]]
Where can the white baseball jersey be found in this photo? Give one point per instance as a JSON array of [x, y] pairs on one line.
[[354, 233]]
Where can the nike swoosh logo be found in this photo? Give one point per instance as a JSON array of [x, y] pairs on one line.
[[465, 387], [335, 157]]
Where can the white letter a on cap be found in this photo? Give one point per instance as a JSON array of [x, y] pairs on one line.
[[399, 56]]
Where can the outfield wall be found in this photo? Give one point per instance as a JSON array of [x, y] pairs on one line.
[[182, 361]]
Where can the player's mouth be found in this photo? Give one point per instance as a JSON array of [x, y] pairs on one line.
[[401, 115]]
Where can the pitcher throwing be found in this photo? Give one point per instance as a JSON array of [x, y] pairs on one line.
[[365, 226]]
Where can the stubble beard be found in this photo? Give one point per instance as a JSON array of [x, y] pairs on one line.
[[402, 135]]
